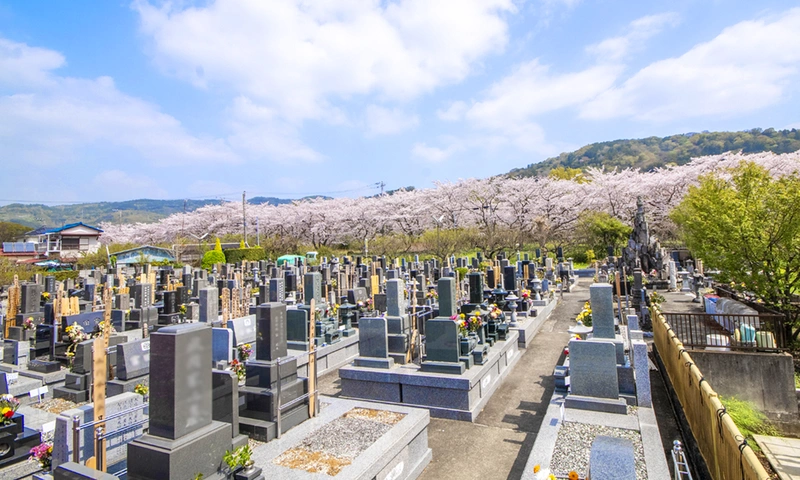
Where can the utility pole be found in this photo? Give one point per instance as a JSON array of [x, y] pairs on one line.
[[244, 217], [381, 184], [258, 234]]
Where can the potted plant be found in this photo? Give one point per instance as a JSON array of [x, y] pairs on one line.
[[240, 463]]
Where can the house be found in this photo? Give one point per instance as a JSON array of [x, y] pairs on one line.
[[144, 254], [68, 242]]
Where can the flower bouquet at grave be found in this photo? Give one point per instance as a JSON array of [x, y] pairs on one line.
[[8, 407], [141, 389], [495, 313], [461, 323], [75, 335], [101, 328], [45, 296], [585, 316], [238, 368], [432, 294], [474, 323], [43, 453], [525, 294], [244, 352], [182, 310], [28, 324]]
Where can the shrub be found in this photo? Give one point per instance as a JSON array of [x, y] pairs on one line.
[[748, 419], [212, 257], [235, 255]]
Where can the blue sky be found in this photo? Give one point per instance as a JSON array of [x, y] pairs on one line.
[[116, 100]]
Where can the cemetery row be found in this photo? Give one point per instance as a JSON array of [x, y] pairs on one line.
[[257, 335]]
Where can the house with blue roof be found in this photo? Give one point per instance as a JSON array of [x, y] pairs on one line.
[[67, 242]]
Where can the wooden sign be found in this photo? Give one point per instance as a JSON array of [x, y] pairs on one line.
[[99, 377], [374, 286], [312, 362], [14, 299]]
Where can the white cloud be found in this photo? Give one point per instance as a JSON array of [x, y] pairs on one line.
[[747, 67], [616, 48], [299, 56], [434, 154], [795, 125], [54, 119], [257, 132], [454, 112], [383, 121], [532, 90]]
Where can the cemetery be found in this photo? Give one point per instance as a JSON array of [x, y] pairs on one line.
[[341, 365], [361, 366]]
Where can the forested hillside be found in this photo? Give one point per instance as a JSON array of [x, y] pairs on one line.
[[651, 152]]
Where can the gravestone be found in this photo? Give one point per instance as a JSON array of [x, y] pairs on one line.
[[221, 346], [30, 297], [209, 305], [395, 297], [142, 295], [277, 290], [447, 297], [357, 294], [225, 404], [442, 347], [641, 367], [475, 280], [594, 384], [297, 329], [601, 297], [612, 458], [258, 414], [183, 440], [244, 329], [373, 345], [15, 352], [312, 287]]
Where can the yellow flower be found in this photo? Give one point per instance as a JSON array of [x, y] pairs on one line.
[[5, 410], [536, 468]]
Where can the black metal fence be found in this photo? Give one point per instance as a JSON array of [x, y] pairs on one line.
[[713, 331]]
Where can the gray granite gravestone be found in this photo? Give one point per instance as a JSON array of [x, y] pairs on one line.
[[593, 368], [641, 367], [447, 297], [312, 287], [244, 329], [373, 344], [277, 290], [209, 305], [442, 347], [395, 297], [225, 403], [601, 297], [612, 458], [133, 359], [271, 328], [297, 329], [183, 440]]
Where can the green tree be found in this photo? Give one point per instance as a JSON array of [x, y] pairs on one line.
[[212, 257], [747, 224], [598, 230], [10, 231]]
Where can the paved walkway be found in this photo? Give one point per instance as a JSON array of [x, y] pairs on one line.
[[497, 444]]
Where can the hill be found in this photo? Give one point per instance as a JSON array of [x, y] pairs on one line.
[[652, 152], [131, 211]]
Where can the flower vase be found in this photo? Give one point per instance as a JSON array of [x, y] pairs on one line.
[[464, 342]]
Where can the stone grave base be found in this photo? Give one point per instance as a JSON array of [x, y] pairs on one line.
[[117, 386], [329, 357], [264, 430], [401, 453], [608, 405], [528, 325], [22, 387], [644, 421], [457, 397], [201, 451], [44, 378]]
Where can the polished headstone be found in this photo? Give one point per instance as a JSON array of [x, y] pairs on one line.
[[271, 331], [447, 297], [395, 297], [133, 359], [593, 368], [601, 297], [612, 458], [221, 345]]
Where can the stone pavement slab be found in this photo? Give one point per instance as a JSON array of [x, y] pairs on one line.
[[783, 454]]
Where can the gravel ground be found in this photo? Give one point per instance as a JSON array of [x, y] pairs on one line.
[[345, 437], [57, 405], [574, 444]]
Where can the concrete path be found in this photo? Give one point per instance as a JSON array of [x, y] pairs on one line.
[[497, 445]]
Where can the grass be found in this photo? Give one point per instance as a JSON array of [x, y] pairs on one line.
[[749, 420], [796, 380]]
